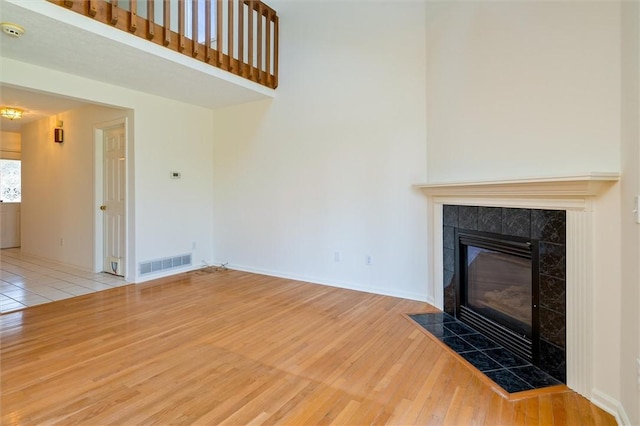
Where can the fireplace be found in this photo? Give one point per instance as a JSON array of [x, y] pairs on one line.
[[561, 210], [497, 289], [515, 260]]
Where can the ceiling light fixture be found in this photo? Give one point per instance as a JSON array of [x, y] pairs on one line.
[[11, 113]]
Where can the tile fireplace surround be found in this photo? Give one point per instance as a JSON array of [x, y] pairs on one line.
[[546, 226], [573, 194]]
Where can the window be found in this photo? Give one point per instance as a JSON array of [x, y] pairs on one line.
[[10, 182]]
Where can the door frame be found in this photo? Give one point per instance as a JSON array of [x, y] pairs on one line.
[[98, 225]]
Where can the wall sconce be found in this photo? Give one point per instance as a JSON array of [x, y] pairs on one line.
[[11, 113], [58, 135]]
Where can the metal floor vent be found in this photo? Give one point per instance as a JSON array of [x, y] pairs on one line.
[[158, 265]]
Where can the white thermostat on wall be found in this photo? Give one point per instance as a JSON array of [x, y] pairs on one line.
[[175, 175]]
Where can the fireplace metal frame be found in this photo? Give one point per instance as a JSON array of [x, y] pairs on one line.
[[527, 347]]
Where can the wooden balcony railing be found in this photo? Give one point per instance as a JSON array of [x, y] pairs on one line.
[[239, 36]]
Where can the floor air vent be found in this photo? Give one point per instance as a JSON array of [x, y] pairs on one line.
[[158, 265]]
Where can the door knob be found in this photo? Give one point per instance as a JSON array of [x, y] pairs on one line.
[[103, 207]]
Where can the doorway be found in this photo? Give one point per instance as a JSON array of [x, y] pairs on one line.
[[111, 197]]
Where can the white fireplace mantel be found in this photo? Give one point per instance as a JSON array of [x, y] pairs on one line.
[[565, 186], [576, 195]]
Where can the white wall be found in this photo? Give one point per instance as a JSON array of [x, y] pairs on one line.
[[173, 214], [167, 215], [58, 186], [10, 146], [525, 89], [630, 187], [327, 166], [520, 89]]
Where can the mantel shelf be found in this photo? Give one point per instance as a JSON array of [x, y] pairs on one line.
[[568, 186]]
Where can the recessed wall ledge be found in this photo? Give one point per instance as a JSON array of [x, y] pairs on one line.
[[562, 186]]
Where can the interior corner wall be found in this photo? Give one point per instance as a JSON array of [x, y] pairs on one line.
[[57, 186], [630, 188], [309, 184], [522, 89], [167, 217]]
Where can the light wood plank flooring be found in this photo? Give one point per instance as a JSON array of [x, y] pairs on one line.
[[238, 348]]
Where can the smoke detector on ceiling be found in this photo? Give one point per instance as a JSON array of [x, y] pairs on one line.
[[12, 29]]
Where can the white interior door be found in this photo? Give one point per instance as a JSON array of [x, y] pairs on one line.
[[113, 205]]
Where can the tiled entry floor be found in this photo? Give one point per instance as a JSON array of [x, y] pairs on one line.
[[507, 370], [29, 281]]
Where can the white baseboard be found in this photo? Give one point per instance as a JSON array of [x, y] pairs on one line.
[[611, 406], [315, 280]]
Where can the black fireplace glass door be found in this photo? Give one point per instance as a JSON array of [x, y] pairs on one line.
[[499, 288]]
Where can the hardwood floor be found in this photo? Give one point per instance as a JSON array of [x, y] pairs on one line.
[[238, 348]]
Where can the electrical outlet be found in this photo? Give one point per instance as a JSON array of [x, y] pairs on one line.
[[61, 242], [368, 260], [193, 245], [336, 256]]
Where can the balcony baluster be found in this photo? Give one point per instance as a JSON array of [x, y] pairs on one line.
[[239, 36]]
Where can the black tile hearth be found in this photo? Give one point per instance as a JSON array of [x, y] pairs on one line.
[[438, 330], [510, 372], [534, 376], [480, 341], [457, 344], [506, 358], [508, 381], [459, 328], [481, 361], [439, 319]]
